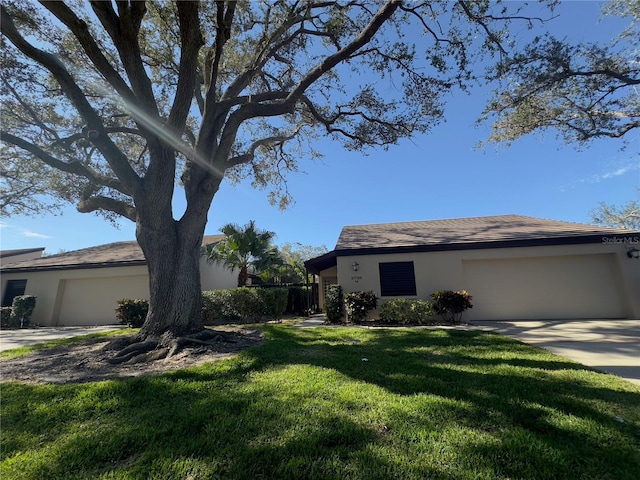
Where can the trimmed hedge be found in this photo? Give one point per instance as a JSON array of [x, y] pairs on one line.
[[275, 301], [214, 303], [244, 304], [406, 311]]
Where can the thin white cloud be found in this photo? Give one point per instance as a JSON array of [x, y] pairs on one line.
[[28, 233], [614, 171]]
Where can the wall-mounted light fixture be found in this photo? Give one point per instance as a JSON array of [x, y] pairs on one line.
[[633, 253], [355, 266]]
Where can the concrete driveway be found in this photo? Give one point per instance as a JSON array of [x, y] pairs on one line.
[[30, 336], [612, 346]]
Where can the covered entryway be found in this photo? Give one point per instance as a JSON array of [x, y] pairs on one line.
[[572, 286], [92, 301]]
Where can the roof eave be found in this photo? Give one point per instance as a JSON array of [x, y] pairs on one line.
[[513, 243], [79, 266], [321, 263]]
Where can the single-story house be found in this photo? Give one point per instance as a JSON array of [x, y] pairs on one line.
[[515, 267], [82, 287]]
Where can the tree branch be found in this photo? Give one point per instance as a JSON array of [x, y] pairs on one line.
[[364, 37], [190, 43], [116, 159], [100, 202], [253, 110], [249, 156], [75, 168], [78, 136], [123, 31], [480, 21], [80, 30]]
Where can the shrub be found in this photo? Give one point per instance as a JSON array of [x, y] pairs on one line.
[[334, 303], [243, 304], [5, 317], [21, 310], [359, 304], [132, 312], [450, 305], [246, 304], [214, 304], [405, 311], [274, 301]]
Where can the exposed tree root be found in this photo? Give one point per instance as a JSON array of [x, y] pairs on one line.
[[136, 350], [133, 350], [88, 361]]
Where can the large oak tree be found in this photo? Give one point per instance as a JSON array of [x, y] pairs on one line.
[[121, 105]]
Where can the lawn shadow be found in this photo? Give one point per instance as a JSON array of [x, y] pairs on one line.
[[508, 402]]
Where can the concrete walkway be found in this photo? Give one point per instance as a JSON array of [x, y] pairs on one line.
[[30, 336], [612, 346]]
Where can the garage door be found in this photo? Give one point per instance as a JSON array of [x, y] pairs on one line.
[[580, 286], [92, 301]]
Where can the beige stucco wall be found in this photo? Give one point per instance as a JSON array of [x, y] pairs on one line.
[[215, 276], [89, 296], [600, 269], [98, 287], [92, 301], [20, 257]]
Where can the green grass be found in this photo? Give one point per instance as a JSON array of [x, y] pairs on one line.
[[22, 351], [442, 404]]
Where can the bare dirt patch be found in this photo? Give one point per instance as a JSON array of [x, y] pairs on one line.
[[89, 361]]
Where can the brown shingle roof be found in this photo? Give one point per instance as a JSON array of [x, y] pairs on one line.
[[109, 255], [465, 231]]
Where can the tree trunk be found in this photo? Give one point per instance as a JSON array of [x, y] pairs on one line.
[[175, 295], [243, 276]]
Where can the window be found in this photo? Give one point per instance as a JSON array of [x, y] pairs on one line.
[[14, 289], [397, 279]]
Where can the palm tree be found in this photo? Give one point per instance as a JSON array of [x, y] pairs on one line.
[[242, 248]]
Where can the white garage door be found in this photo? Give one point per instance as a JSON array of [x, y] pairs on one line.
[[580, 286], [92, 301]]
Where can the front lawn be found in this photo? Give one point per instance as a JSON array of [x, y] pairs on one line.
[[335, 403]]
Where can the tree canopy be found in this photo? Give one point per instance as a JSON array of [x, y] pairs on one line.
[[133, 103], [581, 91], [625, 216], [94, 91]]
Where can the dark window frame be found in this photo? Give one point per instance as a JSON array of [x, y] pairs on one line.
[[397, 279]]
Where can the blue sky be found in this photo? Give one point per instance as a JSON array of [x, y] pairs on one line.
[[433, 176]]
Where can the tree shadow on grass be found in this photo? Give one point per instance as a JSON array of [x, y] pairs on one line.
[[522, 392], [457, 405]]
